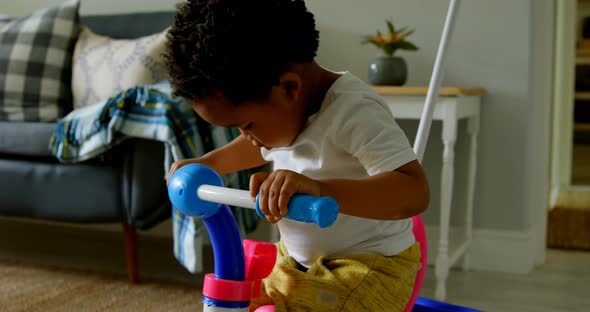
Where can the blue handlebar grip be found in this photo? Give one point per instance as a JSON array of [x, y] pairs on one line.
[[322, 211]]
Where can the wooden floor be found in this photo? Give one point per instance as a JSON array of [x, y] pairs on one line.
[[562, 284]]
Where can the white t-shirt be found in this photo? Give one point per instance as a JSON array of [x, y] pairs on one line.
[[352, 136]]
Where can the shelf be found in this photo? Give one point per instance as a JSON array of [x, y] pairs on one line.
[[583, 57], [582, 126], [418, 90], [585, 96]]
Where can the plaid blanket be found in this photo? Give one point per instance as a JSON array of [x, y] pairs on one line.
[[151, 112]]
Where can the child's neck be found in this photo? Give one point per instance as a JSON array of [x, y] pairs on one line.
[[318, 81]]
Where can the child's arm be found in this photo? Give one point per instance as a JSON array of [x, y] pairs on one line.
[[237, 155], [392, 195]]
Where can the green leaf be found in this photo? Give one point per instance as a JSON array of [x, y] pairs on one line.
[[390, 26], [389, 49], [406, 45], [401, 30], [367, 39], [408, 33], [370, 41]]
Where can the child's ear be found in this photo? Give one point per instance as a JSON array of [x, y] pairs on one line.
[[291, 84]]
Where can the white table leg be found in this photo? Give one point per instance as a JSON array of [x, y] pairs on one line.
[[472, 131], [442, 265]]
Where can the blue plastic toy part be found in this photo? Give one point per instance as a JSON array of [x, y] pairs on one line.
[[183, 186], [429, 305], [322, 211], [237, 305], [228, 251]]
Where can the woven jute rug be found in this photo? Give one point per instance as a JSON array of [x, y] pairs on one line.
[[568, 223], [25, 287]]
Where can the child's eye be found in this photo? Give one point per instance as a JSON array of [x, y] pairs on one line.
[[247, 127]]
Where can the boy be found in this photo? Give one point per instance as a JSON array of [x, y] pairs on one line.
[[250, 64]]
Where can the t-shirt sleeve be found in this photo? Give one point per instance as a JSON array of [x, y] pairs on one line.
[[369, 132]]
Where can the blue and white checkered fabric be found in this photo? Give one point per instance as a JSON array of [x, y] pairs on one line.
[[149, 112]]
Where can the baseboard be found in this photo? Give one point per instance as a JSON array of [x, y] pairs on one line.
[[491, 250], [568, 228]]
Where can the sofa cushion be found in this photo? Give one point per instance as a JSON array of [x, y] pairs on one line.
[[104, 66], [35, 64], [4, 20], [25, 138], [117, 26], [81, 193]]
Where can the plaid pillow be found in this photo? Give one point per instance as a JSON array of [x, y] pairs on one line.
[[36, 64]]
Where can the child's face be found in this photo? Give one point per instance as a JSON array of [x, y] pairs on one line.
[[271, 123]]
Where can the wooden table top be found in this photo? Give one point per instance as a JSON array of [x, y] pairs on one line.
[[418, 90]]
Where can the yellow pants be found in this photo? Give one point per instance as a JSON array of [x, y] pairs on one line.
[[352, 283]]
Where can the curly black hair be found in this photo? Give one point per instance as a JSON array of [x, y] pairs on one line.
[[239, 47]]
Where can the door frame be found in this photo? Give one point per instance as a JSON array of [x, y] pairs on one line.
[[542, 93], [563, 98]]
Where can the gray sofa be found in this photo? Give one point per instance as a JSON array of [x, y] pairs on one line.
[[123, 185]]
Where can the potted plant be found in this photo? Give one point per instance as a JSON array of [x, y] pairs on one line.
[[387, 69]]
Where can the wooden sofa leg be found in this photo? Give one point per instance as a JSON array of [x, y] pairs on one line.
[[131, 250]]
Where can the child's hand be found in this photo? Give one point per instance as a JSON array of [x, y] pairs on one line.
[[277, 188], [177, 165]]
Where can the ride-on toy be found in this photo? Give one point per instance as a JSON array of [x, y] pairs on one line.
[[197, 190]]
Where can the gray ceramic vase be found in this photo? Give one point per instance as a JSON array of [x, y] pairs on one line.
[[388, 70]]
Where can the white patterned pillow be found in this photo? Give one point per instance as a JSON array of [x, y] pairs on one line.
[[104, 66]]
